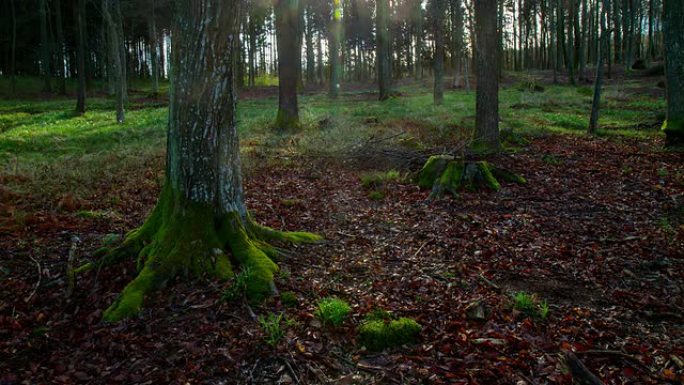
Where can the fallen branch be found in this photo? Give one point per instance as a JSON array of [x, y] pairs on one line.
[[579, 371], [40, 277]]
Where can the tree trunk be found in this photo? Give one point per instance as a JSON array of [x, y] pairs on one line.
[[673, 30], [46, 55], [457, 40], [335, 40], [111, 14], [201, 216], [583, 41], [310, 59], [419, 40], [60, 48], [487, 99], [319, 57], [289, 53], [13, 58], [152, 23], [80, 58], [383, 47], [598, 82], [439, 8]]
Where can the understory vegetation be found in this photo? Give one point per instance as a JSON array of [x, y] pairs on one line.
[[486, 286]]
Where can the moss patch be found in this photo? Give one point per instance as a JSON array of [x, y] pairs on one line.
[[379, 334]]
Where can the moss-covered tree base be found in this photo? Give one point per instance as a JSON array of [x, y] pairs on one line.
[[181, 238], [445, 174], [674, 133]]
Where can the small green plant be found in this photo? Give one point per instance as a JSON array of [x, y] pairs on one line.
[[332, 311], [662, 172], [376, 195], [271, 326], [238, 286], [530, 305], [288, 299], [550, 159], [379, 334]]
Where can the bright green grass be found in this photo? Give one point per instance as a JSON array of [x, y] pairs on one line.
[[45, 142]]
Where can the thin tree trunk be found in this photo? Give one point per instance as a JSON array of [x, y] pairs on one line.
[[60, 48], [13, 58], [419, 40], [46, 55], [80, 58], [289, 53], [335, 40], [111, 16], [439, 8], [487, 99], [153, 49], [598, 82], [457, 40], [383, 47]]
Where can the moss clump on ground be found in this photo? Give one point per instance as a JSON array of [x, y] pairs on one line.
[[379, 334], [332, 311], [444, 174], [288, 299]]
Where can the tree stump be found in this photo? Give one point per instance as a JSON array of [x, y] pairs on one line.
[[446, 174]]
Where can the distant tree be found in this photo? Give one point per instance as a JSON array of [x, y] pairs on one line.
[[334, 46], [13, 55], [80, 56], [598, 82], [60, 47], [438, 8], [487, 99], [383, 47], [112, 15], [201, 213], [673, 29], [46, 52], [152, 25], [288, 30]]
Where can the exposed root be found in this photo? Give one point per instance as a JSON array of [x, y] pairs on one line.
[[182, 241]]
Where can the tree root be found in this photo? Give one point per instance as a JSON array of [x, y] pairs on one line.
[[175, 242]]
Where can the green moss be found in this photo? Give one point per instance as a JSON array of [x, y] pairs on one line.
[[433, 169], [288, 299], [486, 173], [674, 132], [130, 300], [378, 179], [380, 334], [376, 195], [508, 176], [451, 179], [332, 311]]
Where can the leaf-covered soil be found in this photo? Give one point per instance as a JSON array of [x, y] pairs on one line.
[[597, 233]]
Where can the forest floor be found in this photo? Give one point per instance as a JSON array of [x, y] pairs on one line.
[[597, 234]]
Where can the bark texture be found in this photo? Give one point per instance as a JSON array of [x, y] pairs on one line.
[[289, 62], [673, 24], [487, 99], [383, 48], [200, 225]]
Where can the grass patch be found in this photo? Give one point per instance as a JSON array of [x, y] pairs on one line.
[[530, 305]]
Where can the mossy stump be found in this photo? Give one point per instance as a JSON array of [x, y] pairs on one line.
[[445, 174]]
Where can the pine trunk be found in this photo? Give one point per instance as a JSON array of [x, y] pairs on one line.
[[80, 59], [438, 12]]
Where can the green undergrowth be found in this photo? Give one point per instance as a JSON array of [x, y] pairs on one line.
[[380, 330], [332, 311], [50, 152], [530, 305]]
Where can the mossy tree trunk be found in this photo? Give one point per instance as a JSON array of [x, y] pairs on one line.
[[289, 62], [200, 224], [673, 23]]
